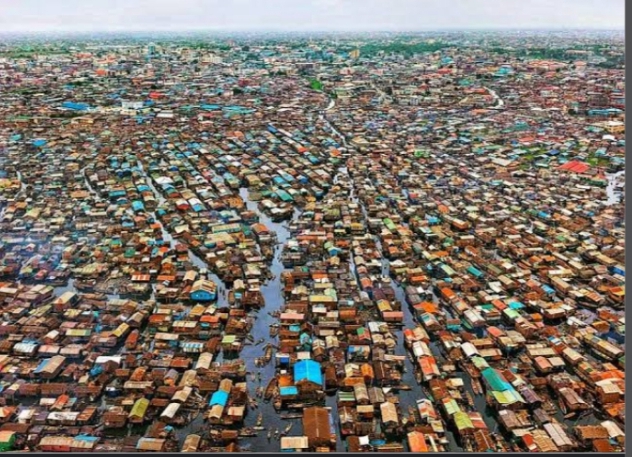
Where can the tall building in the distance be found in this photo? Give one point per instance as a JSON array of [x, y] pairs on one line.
[[355, 54], [151, 49]]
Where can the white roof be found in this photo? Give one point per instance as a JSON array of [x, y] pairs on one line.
[[107, 358]]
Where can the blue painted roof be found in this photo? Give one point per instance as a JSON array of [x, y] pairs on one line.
[[42, 365], [547, 289], [138, 205], [75, 106], [308, 370], [88, 438], [219, 398], [516, 305], [288, 390]]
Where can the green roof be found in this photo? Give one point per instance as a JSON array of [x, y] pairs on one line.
[[512, 313], [479, 362], [346, 396], [507, 397], [463, 421], [140, 408], [452, 407]]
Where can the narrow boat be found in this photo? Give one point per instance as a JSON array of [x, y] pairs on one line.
[[470, 400], [477, 387], [301, 405], [271, 387], [289, 416], [259, 419], [247, 432], [268, 354], [562, 407], [287, 429], [411, 415], [86, 285]]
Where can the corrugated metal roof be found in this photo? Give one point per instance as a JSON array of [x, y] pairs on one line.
[[462, 420]]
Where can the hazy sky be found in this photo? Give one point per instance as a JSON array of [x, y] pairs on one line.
[[308, 15]]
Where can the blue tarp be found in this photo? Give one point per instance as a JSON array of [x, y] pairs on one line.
[[618, 271], [284, 359], [75, 106], [96, 371]]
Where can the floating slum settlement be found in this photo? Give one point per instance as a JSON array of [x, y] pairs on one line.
[[202, 252]]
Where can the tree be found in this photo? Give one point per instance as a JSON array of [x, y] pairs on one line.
[[316, 84]]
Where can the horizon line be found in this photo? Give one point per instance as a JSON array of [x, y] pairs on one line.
[[294, 31]]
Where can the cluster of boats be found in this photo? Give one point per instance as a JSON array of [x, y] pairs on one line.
[[276, 433], [267, 356]]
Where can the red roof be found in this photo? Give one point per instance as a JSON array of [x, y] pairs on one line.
[[575, 166]]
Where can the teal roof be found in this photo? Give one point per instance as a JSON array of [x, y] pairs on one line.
[[495, 380]]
